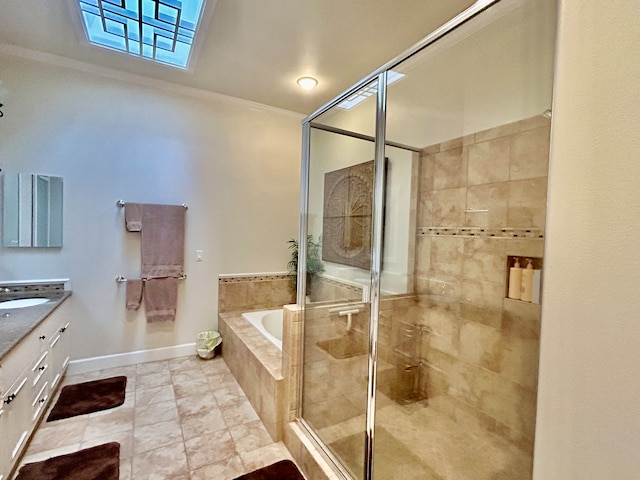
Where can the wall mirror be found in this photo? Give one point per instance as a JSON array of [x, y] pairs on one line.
[[32, 210]]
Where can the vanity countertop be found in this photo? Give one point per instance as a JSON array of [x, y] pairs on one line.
[[17, 323]]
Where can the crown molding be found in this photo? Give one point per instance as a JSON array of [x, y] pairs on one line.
[[111, 73]]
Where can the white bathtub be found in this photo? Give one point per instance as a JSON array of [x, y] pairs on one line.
[[269, 323]]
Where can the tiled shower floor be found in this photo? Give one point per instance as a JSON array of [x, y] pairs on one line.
[[182, 419], [422, 443]]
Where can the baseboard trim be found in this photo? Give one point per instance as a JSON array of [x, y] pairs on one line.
[[92, 364]]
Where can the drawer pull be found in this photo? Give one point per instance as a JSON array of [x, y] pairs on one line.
[[39, 376], [12, 397], [42, 337]]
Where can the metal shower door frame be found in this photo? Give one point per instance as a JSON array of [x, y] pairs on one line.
[[377, 225]]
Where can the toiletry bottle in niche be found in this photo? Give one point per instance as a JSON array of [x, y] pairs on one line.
[[537, 285], [515, 280], [527, 282]]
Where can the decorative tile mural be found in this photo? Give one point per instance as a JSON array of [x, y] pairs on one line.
[[347, 215]]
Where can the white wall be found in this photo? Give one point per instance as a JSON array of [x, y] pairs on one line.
[[588, 424], [235, 165]]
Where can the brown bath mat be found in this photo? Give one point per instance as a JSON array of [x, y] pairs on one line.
[[344, 347], [95, 463], [89, 397], [282, 470]]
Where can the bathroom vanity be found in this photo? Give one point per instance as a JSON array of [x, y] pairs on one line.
[[34, 353]]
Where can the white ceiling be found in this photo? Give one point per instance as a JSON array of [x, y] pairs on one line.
[[495, 69], [253, 49]]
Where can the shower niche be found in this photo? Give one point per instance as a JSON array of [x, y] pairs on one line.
[[524, 279]]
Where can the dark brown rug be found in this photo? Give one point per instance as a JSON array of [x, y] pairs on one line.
[[95, 463], [282, 470], [89, 397]]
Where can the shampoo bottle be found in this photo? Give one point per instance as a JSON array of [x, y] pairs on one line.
[[537, 284], [527, 283], [515, 280]]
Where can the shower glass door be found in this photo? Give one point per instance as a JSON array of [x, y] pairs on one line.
[[336, 316], [420, 346], [457, 358]]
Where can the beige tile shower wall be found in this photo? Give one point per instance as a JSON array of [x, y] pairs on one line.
[[239, 293], [482, 349], [334, 388], [503, 170]]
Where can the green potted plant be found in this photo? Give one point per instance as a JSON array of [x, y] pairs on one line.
[[314, 262]]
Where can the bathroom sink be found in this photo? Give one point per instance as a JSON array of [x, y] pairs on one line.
[[23, 302]]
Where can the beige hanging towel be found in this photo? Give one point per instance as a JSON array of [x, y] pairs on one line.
[[162, 241], [134, 294], [160, 299], [133, 217]]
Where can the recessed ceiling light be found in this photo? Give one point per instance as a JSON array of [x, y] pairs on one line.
[[307, 83]]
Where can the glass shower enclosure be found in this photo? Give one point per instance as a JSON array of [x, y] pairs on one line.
[[423, 186]]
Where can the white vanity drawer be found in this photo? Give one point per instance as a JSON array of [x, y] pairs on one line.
[[17, 360], [15, 406], [40, 368], [16, 390]]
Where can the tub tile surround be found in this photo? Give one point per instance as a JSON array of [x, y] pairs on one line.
[[244, 292], [255, 362], [257, 366], [267, 376], [328, 289]]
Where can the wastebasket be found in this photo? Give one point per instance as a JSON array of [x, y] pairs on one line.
[[208, 343]]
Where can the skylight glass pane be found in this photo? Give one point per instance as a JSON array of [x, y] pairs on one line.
[[366, 92], [167, 27]]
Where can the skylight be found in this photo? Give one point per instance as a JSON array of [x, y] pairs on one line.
[[159, 30], [367, 91]]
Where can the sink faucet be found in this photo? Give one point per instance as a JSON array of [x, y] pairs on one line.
[[6, 290]]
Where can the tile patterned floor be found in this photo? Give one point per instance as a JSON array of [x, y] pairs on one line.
[[182, 419]]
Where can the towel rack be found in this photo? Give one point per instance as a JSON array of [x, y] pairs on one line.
[[121, 279], [122, 203]]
